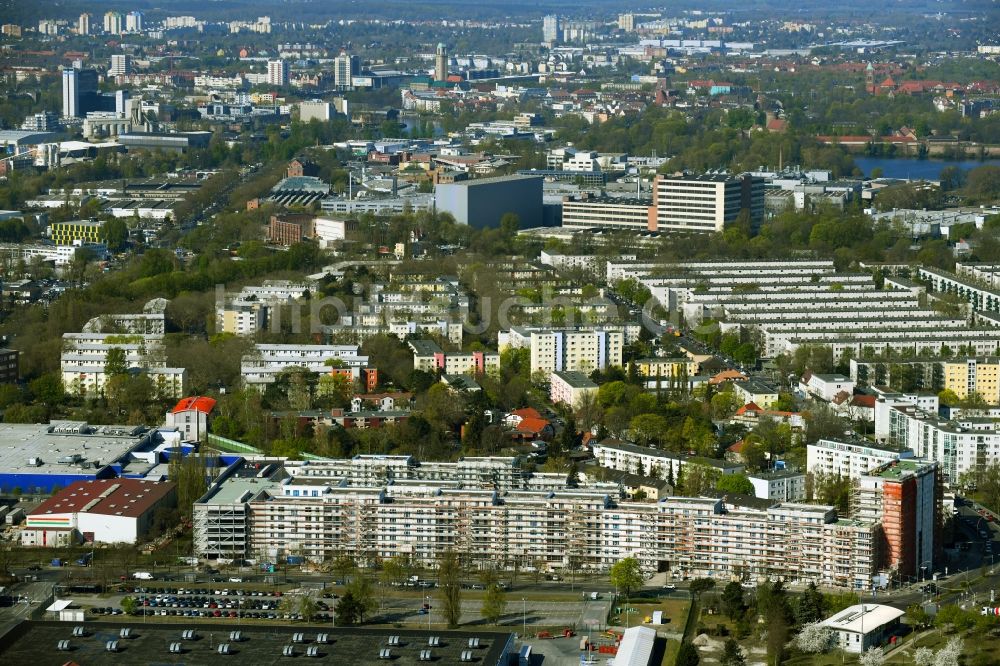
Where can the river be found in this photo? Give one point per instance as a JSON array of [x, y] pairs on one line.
[[902, 167]]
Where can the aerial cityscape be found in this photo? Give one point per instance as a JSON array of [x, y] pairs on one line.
[[593, 333]]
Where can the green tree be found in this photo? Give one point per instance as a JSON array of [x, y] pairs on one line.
[[349, 610], [449, 572], [687, 655], [191, 476], [115, 234], [48, 389], [732, 655], [732, 600], [115, 362], [494, 601], [810, 605], [363, 592], [737, 484], [626, 575], [701, 585]]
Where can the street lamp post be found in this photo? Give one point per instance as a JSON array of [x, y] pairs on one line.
[[427, 600]]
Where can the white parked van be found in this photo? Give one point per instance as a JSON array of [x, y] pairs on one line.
[[142, 575]]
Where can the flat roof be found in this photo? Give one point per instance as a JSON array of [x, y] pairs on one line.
[[863, 618], [56, 441], [113, 497], [492, 181], [575, 379], [261, 644]]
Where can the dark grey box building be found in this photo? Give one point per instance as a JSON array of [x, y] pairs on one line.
[[481, 203]]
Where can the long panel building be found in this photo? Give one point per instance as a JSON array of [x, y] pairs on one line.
[[376, 507]]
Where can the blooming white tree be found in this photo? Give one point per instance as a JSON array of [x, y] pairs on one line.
[[924, 657], [949, 654], [873, 657], [814, 638]]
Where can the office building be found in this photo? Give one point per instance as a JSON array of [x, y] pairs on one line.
[[83, 24], [345, 67], [121, 65], [71, 92], [316, 110], [99, 511], [277, 73], [483, 202], [66, 233], [550, 29], [133, 22], [706, 203], [608, 213], [80, 94], [113, 23], [441, 63], [9, 366]]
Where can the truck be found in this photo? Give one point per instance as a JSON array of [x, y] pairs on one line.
[[142, 575], [14, 516]]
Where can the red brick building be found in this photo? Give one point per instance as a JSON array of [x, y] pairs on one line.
[[290, 229]]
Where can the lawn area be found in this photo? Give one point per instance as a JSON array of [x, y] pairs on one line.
[[674, 614]]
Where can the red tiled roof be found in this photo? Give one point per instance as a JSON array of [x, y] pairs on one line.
[[736, 447], [113, 497], [749, 407], [199, 403], [530, 424], [527, 413], [864, 401]]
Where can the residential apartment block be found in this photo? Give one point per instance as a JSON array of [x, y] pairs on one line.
[[579, 349], [958, 446], [904, 496], [317, 510], [83, 363], [570, 387], [647, 461], [980, 376], [267, 361], [849, 460], [783, 485], [429, 357]]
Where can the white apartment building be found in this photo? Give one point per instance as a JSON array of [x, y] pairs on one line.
[[579, 349], [240, 317], [267, 361], [121, 64], [277, 73], [958, 446], [849, 460], [429, 357], [779, 485], [826, 387], [570, 387], [588, 528], [316, 110], [646, 461], [84, 357]]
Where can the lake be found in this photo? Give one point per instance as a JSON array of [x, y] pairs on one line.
[[901, 167]]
